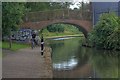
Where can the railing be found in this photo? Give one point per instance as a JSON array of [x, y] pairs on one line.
[[57, 14]]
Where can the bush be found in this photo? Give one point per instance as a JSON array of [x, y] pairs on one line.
[[55, 28], [106, 33]]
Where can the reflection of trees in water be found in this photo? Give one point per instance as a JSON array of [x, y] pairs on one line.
[[64, 49], [82, 56], [55, 48], [105, 63], [54, 45]]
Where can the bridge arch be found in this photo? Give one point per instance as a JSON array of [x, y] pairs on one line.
[[83, 25], [41, 19], [81, 28]]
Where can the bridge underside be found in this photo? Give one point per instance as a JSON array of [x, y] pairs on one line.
[[83, 25]]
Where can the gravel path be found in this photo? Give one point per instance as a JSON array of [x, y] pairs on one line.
[[25, 63]]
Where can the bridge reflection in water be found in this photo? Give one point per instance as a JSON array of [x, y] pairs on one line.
[[71, 60]]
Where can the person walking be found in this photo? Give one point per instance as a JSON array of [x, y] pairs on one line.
[[33, 41], [42, 44]]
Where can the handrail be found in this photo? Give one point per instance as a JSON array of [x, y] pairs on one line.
[[57, 14]]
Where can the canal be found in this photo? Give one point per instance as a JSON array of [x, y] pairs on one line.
[[71, 60]]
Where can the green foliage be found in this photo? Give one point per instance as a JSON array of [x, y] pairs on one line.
[[44, 6], [63, 28], [69, 30], [106, 33], [55, 28], [16, 46], [12, 13], [84, 6], [72, 29], [37, 6]]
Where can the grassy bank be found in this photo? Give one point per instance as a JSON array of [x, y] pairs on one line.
[[54, 31], [57, 36], [48, 34], [15, 46]]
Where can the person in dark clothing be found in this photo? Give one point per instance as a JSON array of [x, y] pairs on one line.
[[33, 35], [33, 39], [42, 44]]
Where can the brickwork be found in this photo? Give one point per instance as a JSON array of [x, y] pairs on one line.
[[39, 20]]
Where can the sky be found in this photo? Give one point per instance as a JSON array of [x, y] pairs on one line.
[[58, 0], [75, 2]]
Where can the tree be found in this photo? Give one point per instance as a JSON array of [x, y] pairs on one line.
[[55, 28], [12, 13], [44, 6], [106, 33], [37, 6]]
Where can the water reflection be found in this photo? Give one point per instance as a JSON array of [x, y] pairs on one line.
[[66, 65], [63, 38], [71, 60], [105, 63]]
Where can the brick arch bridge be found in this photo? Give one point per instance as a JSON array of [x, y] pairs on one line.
[[39, 20]]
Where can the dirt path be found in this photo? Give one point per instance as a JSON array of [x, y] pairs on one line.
[[25, 63]]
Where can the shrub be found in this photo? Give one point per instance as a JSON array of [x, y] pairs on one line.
[[106, 33], [55, 28]]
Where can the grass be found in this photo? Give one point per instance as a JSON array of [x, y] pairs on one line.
[[48, 34], [69, 31], [0, 44], [61, 36], [15, 46]]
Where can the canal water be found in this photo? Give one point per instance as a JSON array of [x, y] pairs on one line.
[[71, 60]]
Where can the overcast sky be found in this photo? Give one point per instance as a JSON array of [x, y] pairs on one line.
[[75, 2], [59, 0]]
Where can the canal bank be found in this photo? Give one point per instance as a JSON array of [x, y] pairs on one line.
[[50, 37], [48, 61]]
